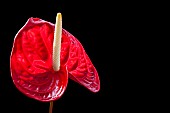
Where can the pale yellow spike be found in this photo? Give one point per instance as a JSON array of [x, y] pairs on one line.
[[57, 42]]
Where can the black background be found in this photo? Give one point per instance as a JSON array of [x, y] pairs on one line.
[[103, 28]]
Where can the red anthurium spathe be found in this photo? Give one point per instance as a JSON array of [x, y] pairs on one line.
[[31, 62]]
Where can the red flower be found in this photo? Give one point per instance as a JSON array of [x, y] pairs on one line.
[[31, 62]]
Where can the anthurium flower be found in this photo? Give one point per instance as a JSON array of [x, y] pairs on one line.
[[31, 62]]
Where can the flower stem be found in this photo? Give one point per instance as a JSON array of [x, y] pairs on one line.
[[51, 107]]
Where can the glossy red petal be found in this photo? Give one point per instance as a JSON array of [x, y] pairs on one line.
[[79, 64], [31, 62]]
